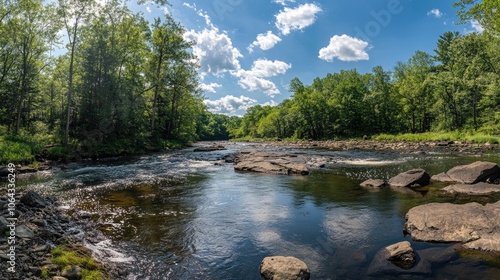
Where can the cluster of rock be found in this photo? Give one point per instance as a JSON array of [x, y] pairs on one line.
[[40, 226], [267, 162]]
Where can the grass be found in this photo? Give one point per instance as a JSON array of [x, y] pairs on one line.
[[66, 256], [17, 150], [441, 136]]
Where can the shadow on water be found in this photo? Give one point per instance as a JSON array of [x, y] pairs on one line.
[[181, 217]]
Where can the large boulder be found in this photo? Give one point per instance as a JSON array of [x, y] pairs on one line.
[[412, 179], [33, 199], [475, 189], [473, 224], [284, 268], [209, 148], [479, 171], [275, 163]]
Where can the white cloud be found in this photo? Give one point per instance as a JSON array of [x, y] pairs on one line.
[[271, 103], [344, 48], [148, 9], [229, 104], [209, 87], [296, 19], [476, 26], [435, 13], [283, 2], [214, 50], [265, 41], [254, 79]]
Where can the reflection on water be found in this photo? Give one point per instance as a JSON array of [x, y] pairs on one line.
[[179, 216]]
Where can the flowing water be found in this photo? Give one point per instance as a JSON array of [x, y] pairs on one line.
[[178, 215]]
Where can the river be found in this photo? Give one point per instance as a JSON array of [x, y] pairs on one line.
[[179, 215]]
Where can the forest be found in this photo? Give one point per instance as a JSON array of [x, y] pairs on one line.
[[455, 89], [82, 80]]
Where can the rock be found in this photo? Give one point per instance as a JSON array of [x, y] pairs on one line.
[[472, 223], [479, 171], [412, 178], [439, 255], [442, 177], [210, 148], [475, 189], [275, 163], [59, 278], [401, 254], [4, 224], [26, 169], [72, 273], [33, 199], [284, 268], [373, 183], [23, 231], [383, 265], [4, 172]]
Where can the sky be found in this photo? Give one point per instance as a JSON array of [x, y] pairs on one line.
[[249, 51]]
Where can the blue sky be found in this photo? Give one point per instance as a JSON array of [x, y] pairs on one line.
[[249, 51]]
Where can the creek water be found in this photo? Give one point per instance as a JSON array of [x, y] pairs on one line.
[[178, 215]]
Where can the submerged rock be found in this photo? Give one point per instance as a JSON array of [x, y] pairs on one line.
[[284, 268], [274, 163], [475, 189], [479, 171], [473, 224], [398, 259], [373, 183], [412, 179]]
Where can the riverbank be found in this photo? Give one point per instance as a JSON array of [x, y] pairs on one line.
[[388, 145], [45, 241]]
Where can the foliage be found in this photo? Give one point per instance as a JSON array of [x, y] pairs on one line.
[[74, 255]]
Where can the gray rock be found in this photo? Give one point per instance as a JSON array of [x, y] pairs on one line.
[[401, 254], [479, 171], [440, 255], [33, 199], [442, 177], [412, 178], [382, 265], [273, 163], [373, 183], [475, 189], [23, 231], [4, 224], [473, 224], [72, 273], [59, 278], [26, 169], [284, 268]]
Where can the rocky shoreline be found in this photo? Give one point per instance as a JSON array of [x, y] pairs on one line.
[[40, 225]]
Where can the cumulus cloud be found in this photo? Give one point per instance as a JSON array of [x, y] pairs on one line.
[[271, 103], [148, 9], [344, 48], [254, 79], [298, 18], [229, 104], [476, 27], [283, 2], [209, 87], [265, 41], [435, 13], [214, 50]]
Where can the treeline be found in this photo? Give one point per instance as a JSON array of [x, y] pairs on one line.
[[120, 83], [455, 89]]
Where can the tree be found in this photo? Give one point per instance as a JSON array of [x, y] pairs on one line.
[[486, 12]]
